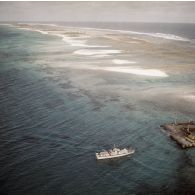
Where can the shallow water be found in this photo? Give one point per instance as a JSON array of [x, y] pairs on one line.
[[57, 110]]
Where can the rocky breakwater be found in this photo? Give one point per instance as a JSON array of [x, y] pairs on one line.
[[182, 132]]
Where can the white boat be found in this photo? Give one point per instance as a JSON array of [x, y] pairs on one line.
[[114, 153]]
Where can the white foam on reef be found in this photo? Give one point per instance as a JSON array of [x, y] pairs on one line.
[[73, 41], [157, 35], [118, 61], [35, 30], [40, 24], [91, 52], [42, 32], [24, 28], [77, 41], [5, 24], [136, 71], [168, 36]]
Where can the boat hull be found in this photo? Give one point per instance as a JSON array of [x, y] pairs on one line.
[[98, 157]]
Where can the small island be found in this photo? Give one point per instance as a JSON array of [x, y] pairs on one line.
[[182, 132]]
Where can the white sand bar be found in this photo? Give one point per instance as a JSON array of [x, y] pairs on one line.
[[136, 71], [118, 61], [90, 52]]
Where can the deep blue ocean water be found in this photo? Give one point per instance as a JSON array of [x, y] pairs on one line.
[[50, 129]]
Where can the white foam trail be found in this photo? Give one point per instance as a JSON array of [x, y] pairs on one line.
[[118, 61], [136, 71], [91, 52]]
